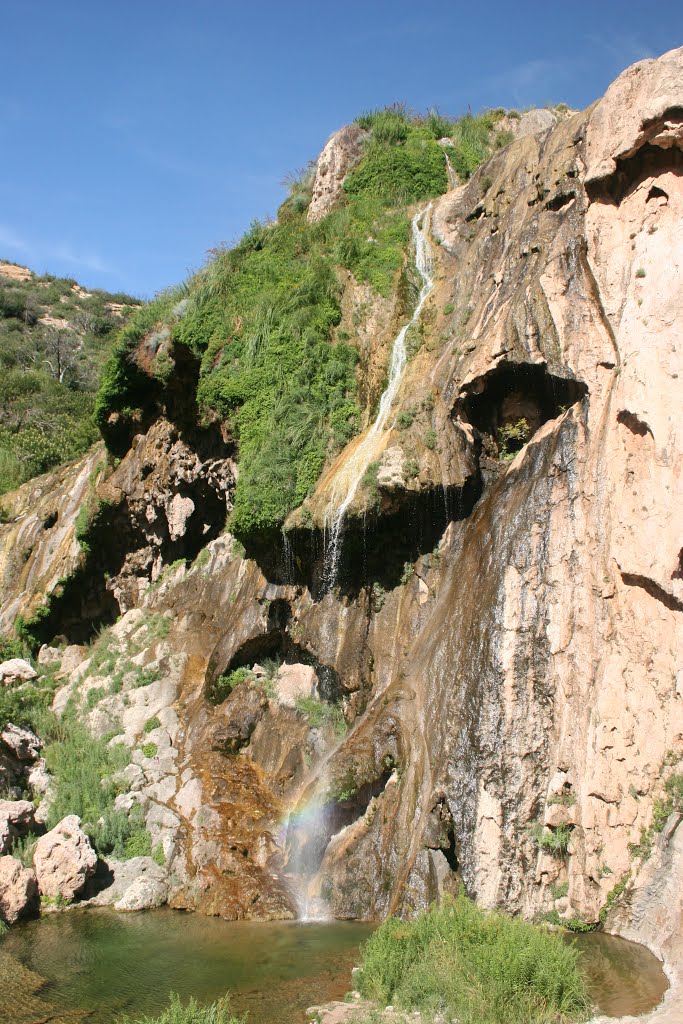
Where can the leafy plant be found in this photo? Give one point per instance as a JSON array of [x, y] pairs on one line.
[[190, 1013], [477, 967], [320, 714], [151, 724], [552, 840], [224, 684], [149, 750], [511, 437]]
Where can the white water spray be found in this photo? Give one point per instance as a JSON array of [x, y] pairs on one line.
[[453, 180], [347, 480]]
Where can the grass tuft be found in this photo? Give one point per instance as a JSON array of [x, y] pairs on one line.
[[478, 967]]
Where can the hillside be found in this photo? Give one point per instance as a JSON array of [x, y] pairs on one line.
[[54, 339]]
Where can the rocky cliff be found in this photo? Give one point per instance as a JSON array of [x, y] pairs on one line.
[[503, 635]]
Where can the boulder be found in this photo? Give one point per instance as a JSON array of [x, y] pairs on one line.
[[16, 818], [242, 711], [20, 743], [64, 860], [294, 682], [49, 655], [18, 890], [145, 893], [136, 884], [71, 658], [16, 670]]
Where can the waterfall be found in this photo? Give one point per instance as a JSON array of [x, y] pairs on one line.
[[453, 180], [352, 472]]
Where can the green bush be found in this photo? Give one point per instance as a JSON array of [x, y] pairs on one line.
[[320, 714], [478, 967], [552, 840], [191, 1013], [83, 767], [511, 438], [152, 723], [223, 686]]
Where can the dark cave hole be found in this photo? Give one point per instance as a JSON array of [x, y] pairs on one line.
[[50, 520], [657, 193], [375, 548], [558, 201], [508, 405], [278, 645], [648, 161]]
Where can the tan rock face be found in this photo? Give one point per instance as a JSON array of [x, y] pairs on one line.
[[18, 890], [341, 152], [64, 860], [16, 670], [16, 817], [295, 682]]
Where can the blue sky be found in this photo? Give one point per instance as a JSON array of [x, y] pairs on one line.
[[136, 135]]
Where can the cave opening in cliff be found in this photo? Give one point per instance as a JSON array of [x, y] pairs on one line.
[[508, 405], [375, 547], [278, 647]]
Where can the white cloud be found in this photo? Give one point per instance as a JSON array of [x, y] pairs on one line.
[[42, 253]]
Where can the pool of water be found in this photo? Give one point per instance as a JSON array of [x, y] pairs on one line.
[[96, 964], [623, 977]]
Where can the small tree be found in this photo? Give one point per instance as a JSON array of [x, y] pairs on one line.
[[61, 348]]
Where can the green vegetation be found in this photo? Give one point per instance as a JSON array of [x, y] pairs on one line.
[[191, 1013], [640, 272], [320, 714], [49, 370], [430, 439], [149, 750], [511, 437], [263, 318], [222, 687], [552, 840], [152, 723], [478, 967], [661, 809], [613, 895]]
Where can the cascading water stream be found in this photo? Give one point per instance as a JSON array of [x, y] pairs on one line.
[[351, 474], [453, 180]]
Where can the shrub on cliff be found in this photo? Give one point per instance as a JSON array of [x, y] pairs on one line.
[[476, 966]]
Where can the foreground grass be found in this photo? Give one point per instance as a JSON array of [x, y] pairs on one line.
[[478, 967], [191, 1013]]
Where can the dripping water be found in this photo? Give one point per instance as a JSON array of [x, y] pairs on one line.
[[453, 181], [349, 478]]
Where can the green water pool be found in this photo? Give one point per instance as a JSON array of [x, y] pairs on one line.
[[96, 964]]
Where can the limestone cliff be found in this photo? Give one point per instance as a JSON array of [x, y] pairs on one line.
[[504, 635]]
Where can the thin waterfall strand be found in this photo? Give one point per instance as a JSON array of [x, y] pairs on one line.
[[348, 480]]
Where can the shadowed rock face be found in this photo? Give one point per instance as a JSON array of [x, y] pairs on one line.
[[504, 661]]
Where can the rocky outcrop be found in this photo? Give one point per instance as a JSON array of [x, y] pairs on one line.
[[342, 150], [64, 860], [16, 670], [19, 751], [18, 890], [16, 818]]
